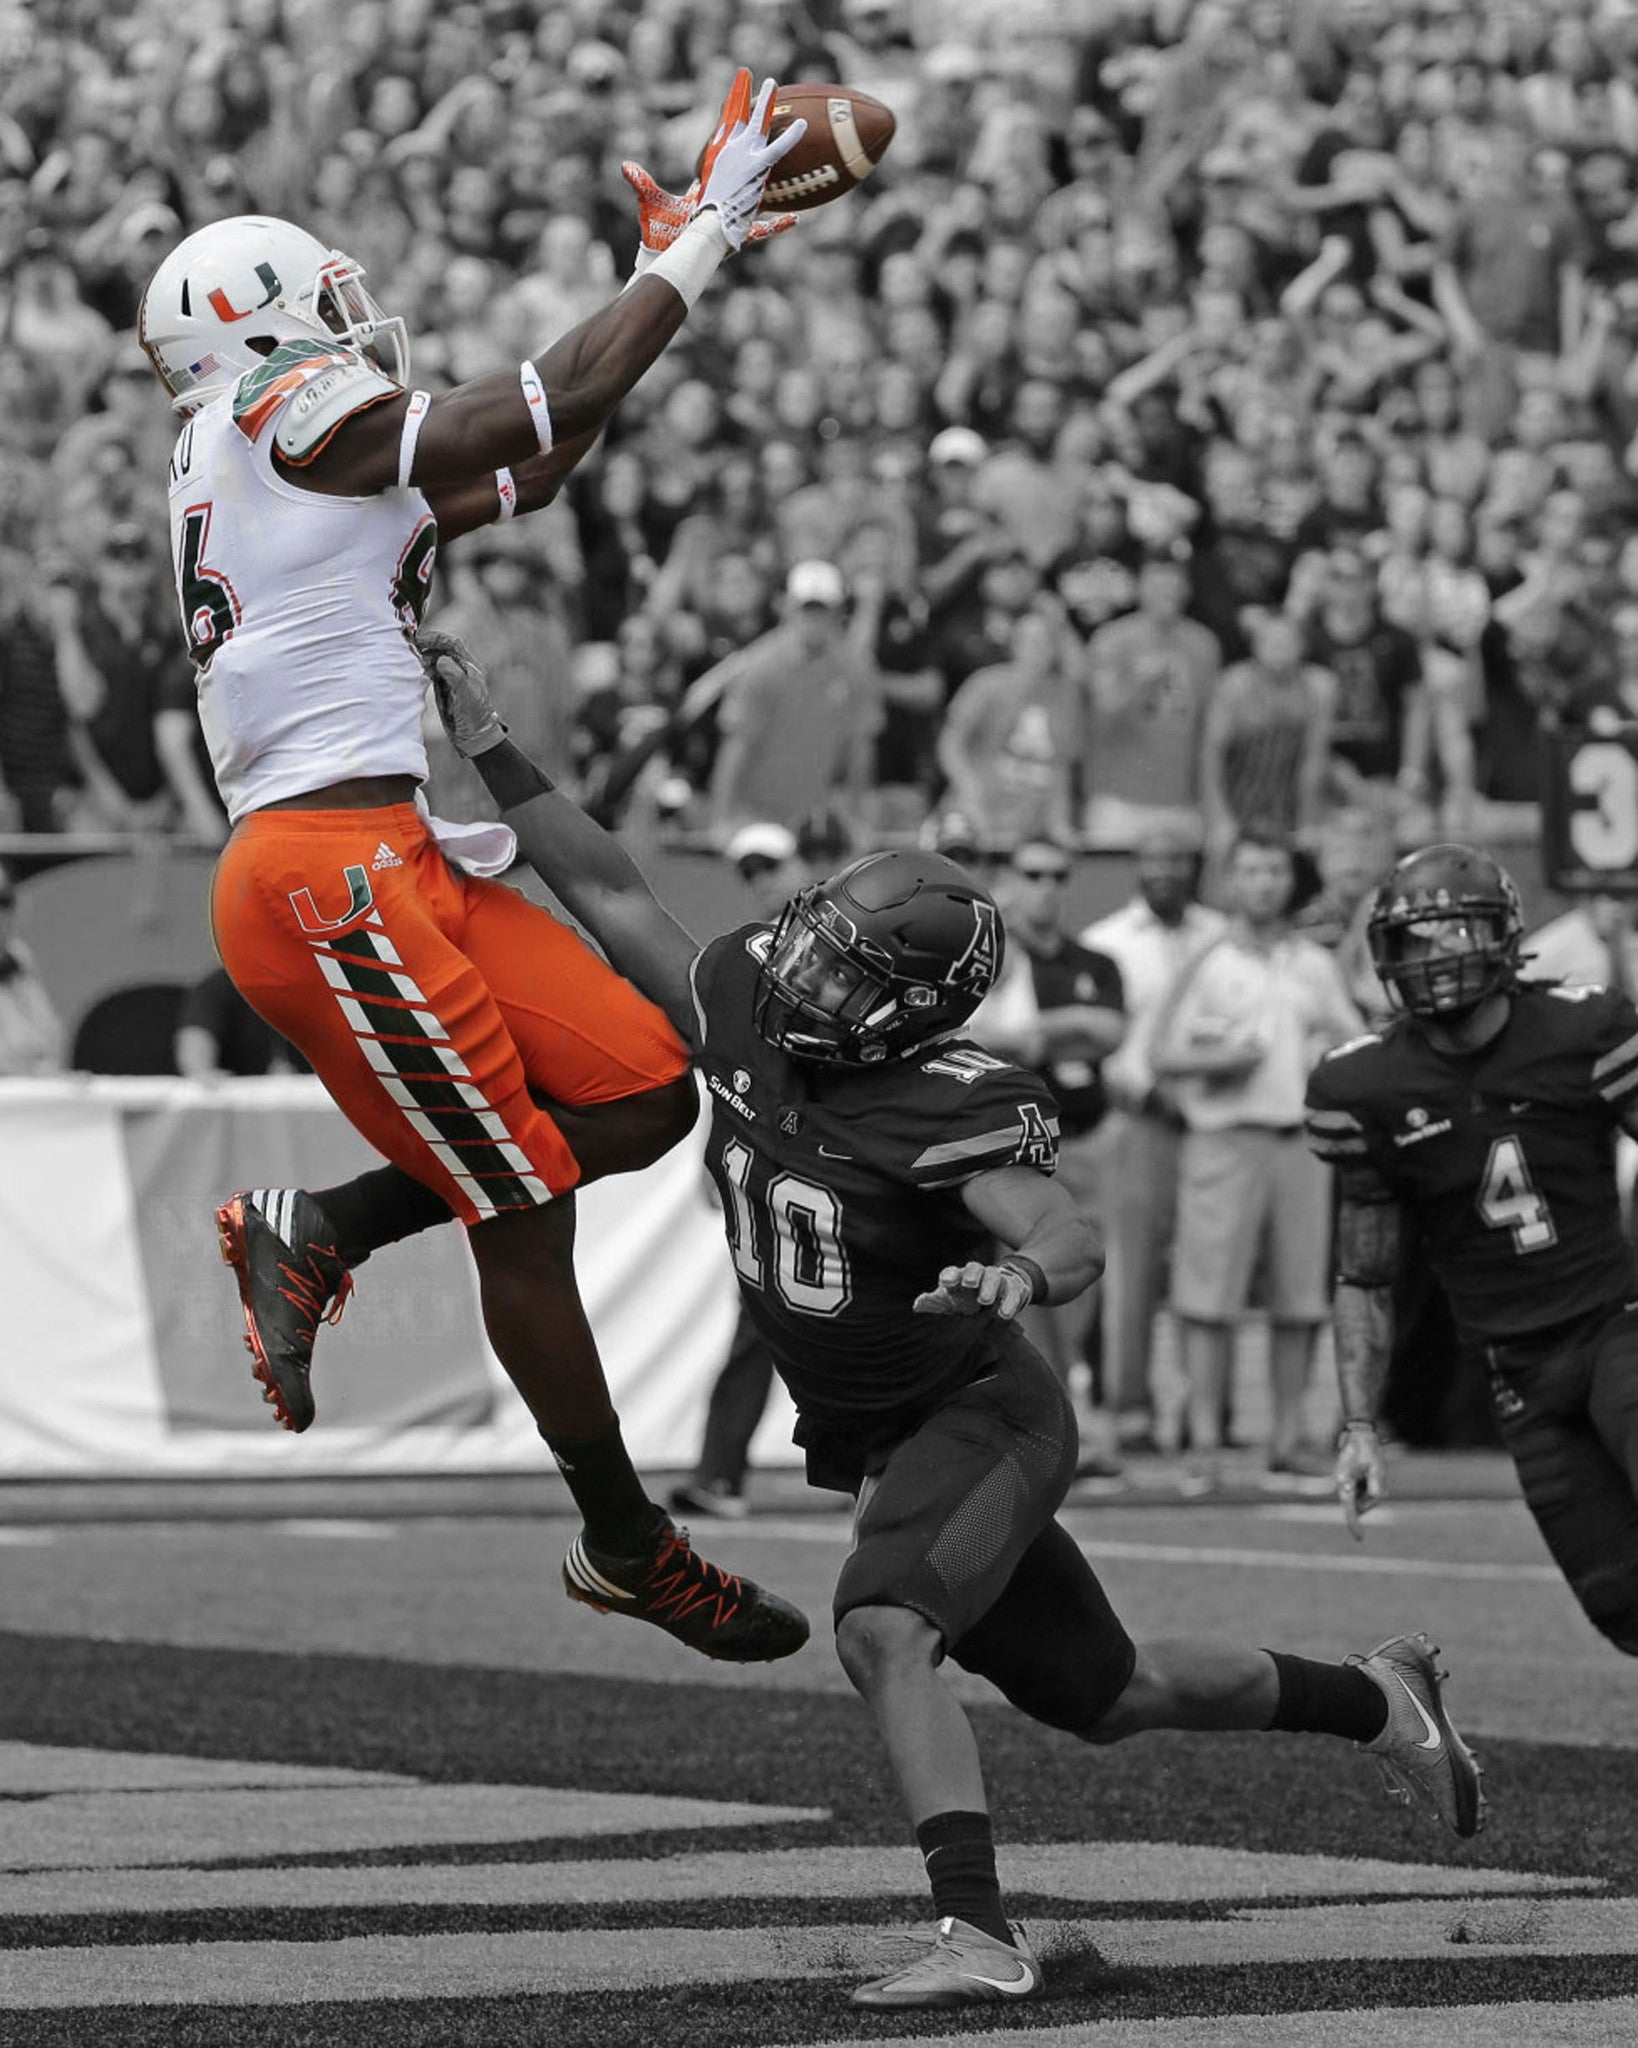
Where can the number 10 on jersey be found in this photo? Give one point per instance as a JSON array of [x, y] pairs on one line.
[[789, 1241]]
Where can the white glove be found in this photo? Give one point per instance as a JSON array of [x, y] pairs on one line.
[[740, 167], [976, 1289], [460, 693], [1361, 1474]]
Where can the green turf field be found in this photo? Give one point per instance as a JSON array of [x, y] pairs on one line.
[[272, 1771]]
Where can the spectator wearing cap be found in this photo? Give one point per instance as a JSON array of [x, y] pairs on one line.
[[1150, 938], [799, 711], [31, 1033], [956, 541], [1016, 743], [1151, 674]]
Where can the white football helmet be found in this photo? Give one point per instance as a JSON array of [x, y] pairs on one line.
[[225, 298]]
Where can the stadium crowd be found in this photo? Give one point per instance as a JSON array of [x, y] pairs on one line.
[[1226, 407]]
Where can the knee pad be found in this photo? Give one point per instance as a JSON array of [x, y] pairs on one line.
[[1052, 1643]]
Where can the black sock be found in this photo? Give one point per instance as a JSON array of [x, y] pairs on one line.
[[619, 1516], [959, 1852], [379, 1207], [1327, 1699]]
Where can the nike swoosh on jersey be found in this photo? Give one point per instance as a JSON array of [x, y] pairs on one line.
[[826, 1153], [1434, 1738]]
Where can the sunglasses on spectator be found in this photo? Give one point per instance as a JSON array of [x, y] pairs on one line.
[[755, 864], [1034, 874]]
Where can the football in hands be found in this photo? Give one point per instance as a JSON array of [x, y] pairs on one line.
[[848, 134]]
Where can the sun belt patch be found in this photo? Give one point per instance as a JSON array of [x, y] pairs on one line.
[[308, 389]]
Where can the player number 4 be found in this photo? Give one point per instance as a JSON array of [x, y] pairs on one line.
[[1509, 1199]]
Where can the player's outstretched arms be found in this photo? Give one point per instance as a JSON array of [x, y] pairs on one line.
[[1368, 1233], [496, 422], [586, 868], [1056, 1253]]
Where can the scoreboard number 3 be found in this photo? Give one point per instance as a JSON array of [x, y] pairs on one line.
[[1604, 822], [1590, 809], [1510, 1200]]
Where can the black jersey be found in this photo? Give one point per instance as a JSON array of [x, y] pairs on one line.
[[840, 1193], [1506, 1156]]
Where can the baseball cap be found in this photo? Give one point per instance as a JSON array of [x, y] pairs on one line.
[[815, 582], [958, 444], [764, 841], [1176, 834]]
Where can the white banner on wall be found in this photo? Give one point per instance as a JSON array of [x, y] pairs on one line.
[[123, 1351]]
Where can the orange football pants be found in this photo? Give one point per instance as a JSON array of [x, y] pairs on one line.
[[428, 1001]]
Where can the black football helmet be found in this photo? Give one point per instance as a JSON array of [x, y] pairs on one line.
[[894, 949], [1444, 931]]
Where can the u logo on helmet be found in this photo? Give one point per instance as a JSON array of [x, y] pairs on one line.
[[222, 306]]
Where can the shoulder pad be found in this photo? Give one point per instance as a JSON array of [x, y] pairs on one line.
[[1341, 1073], [1339, 1052], [1614, 1047], [722, 974], [308, 390], [980, 1113]]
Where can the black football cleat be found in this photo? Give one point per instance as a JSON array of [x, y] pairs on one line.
[[278, 1242], [671, 1585]]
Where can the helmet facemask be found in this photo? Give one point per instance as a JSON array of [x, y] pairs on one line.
[[895, 951], [339, 304], [1441, 964], [820, 998]]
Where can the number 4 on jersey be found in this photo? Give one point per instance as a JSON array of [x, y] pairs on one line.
[[1510, 1200]]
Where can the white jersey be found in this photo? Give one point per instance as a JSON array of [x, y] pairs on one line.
[[297, 606]]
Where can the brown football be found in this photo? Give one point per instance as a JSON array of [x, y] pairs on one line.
[[848, 134]]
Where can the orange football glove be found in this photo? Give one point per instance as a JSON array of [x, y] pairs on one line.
[[662, 215], [736, 111]]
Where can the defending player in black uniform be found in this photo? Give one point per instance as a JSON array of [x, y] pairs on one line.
[[869, 1159], [1489, 1111]]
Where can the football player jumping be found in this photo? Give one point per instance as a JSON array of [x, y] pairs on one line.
[[868, 1158], [466, 1033], [1488, 1112]]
